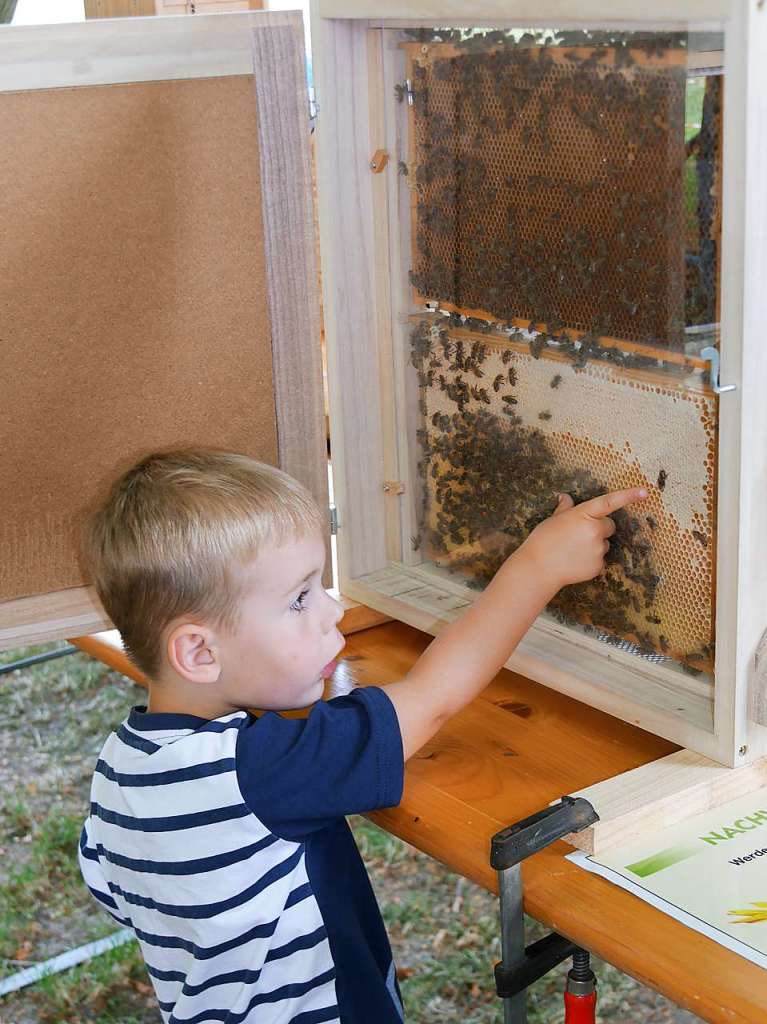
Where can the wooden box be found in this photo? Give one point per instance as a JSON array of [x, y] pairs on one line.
[[514, 223], [571, 218]]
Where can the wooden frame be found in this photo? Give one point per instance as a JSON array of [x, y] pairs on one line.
[[363, 292], [151, 50]]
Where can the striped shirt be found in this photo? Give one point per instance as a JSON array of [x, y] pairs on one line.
[[223, 845]]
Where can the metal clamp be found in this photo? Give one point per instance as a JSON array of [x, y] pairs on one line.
[[520, 966], [711, 355]]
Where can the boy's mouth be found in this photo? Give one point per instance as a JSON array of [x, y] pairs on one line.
[[329, 669]]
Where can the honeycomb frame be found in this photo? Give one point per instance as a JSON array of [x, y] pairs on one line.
[[592, 199]]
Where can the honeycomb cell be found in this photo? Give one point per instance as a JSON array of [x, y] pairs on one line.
[[491, 468], [549, 186]]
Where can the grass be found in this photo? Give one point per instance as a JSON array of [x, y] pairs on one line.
[[53, 719]]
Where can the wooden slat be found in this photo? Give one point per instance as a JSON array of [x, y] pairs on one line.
[[119, 8], [289, 246], [350, 295], [56, 616], [537, 12], [661, 794]]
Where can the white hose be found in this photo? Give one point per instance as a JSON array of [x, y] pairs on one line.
[[64, 960]]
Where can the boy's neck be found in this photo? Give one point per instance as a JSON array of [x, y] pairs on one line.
[[166, 697]]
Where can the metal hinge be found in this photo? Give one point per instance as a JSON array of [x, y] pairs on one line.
[[314, 105], [404, 90], [333, 520]]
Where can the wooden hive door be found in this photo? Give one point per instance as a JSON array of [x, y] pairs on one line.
[[158, 276]]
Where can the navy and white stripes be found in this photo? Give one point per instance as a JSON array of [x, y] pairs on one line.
[[223, 908]]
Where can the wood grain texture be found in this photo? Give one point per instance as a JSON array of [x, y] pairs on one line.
[[510, 753], [109, 51], [119, 8], [541, 12], [289, 245], [660, 794], [55, 616], [350, 293], [207, 6], [549, 653]]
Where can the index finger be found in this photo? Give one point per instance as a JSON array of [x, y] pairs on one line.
[[605, 504]]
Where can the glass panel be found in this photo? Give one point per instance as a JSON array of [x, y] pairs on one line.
[[563, 190]]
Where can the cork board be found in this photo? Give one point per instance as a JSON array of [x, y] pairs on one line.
[[133, 299]]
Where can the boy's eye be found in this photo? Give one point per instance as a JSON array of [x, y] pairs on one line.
[[300, 602]]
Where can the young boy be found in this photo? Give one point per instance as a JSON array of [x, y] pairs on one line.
[[220, 837]]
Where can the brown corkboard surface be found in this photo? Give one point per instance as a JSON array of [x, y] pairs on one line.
[[133, 299]]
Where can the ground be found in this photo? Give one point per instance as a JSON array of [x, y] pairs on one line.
[[53, 720]]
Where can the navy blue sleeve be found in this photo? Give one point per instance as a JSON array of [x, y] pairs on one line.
[[298, 775]]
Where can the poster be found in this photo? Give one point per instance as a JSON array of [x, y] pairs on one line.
[[709, 872]]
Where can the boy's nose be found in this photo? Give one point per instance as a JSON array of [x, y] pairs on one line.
[[336, 612]]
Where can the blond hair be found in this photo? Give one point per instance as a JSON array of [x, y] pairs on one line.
[[169, 540]]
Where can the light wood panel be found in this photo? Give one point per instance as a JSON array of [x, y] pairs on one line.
[[661, 794], [351, 295], [119, 8], [289, 248], [525, 12]]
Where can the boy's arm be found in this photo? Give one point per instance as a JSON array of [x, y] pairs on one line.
[[569, 547]]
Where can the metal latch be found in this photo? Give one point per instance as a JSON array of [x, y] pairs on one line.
[[711, 355]]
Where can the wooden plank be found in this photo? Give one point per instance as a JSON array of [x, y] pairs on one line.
[[165, 7], [661, 794], [119, 8], [749, 737], [350, 294], [511, 752], [741, 571], [526, 12], [383, 307], [109, 52], [289, 246], [405, 382], [56, 616]]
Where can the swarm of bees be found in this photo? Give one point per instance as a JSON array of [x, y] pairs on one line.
[[519, 242], [490, 479]]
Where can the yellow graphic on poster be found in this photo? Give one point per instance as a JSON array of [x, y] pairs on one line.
[[757, 916], [709, 871]]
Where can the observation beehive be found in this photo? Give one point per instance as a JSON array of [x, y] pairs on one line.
[[543, 291], [547, 179]]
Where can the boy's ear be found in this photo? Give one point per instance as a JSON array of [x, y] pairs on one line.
[[193, 653]]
